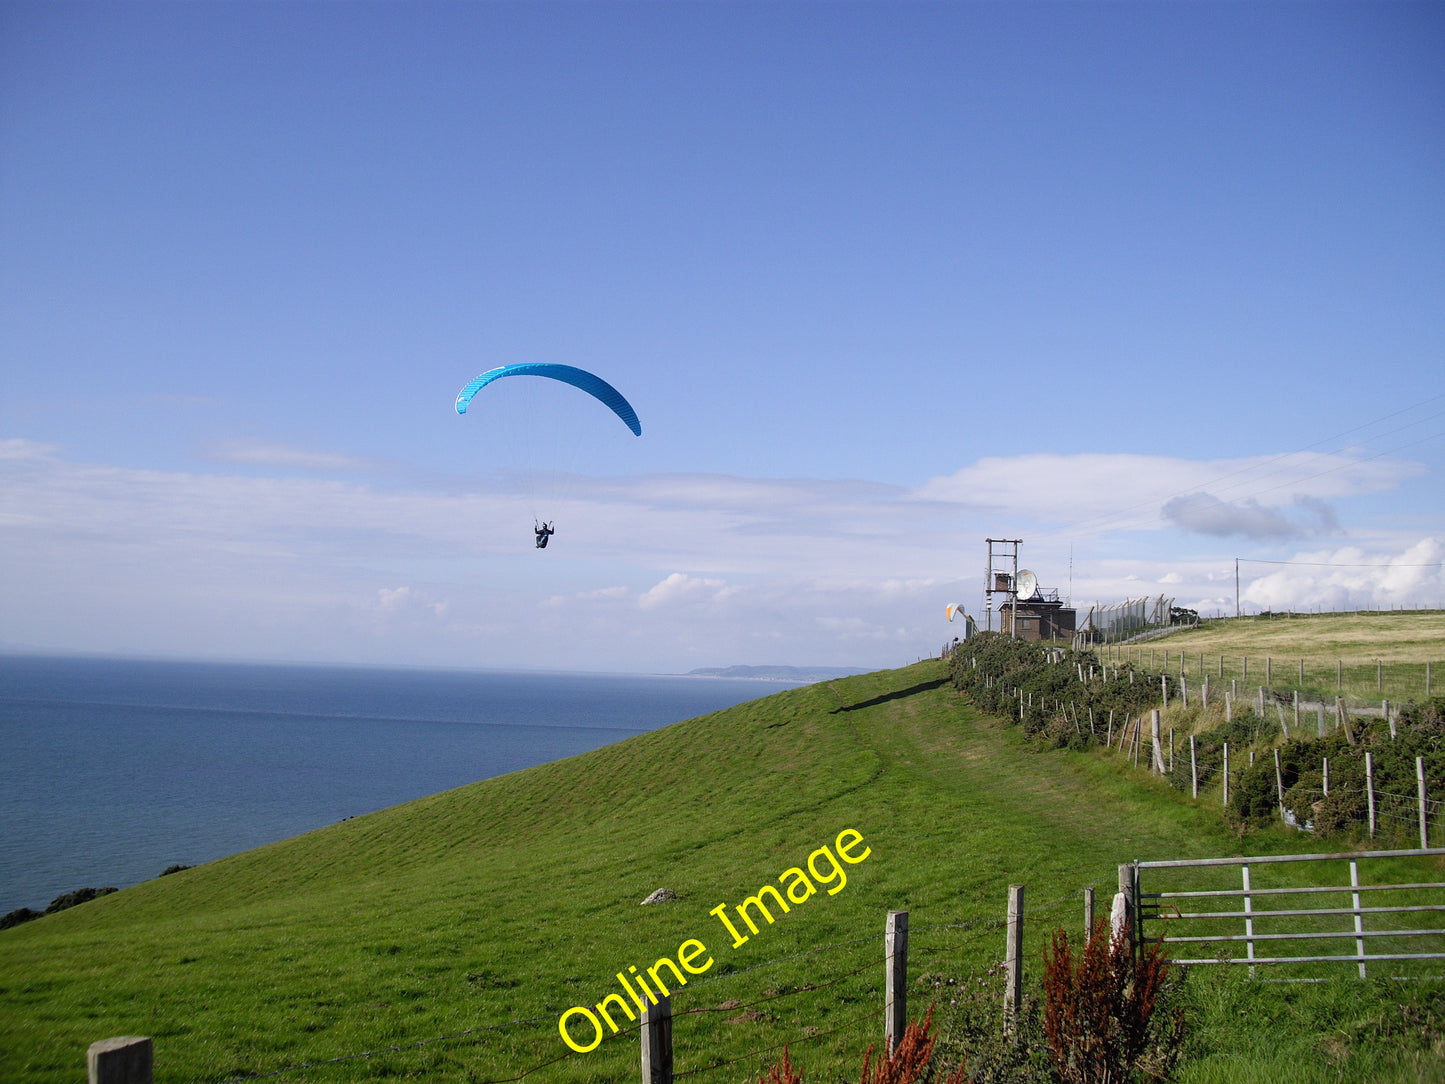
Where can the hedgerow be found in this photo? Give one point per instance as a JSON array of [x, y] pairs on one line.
[[1063, 698]]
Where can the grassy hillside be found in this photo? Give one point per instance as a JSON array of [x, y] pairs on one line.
[[1356, 642], [516, 898], [1395, 636]]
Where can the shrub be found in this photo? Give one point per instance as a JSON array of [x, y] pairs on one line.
[[1099, 1011], [908, 1063], [79, 896], [17, 916], [909, 1059], [783, 1072], [973, 1028]]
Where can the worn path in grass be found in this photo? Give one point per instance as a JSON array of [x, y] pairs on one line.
[[517, 897]]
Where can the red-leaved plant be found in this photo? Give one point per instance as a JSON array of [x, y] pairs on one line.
[[1099, 1008], [783, 1072], [910, 1058]]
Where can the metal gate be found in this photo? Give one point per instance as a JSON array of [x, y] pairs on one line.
[[1278, 905]]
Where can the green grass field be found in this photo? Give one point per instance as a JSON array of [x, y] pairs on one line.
[[422, 932], [1364, 656]]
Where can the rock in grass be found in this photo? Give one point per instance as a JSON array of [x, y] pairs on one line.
[[662, 895]]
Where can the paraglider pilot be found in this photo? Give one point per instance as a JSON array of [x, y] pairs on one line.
[[543, 532]]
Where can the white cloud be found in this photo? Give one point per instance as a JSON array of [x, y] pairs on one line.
[[653, 573], [393, 599], [254, 453], [1097, 493], [19, 448], [1351, 578], [678, 588], [1206, 514]]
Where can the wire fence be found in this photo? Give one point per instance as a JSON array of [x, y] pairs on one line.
[[699, 1053]]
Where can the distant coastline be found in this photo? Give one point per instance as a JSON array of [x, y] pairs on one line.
[[803, 674]]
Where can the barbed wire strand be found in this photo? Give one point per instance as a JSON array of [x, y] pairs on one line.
[[986, 924], [394, 1049], [787, 1042]]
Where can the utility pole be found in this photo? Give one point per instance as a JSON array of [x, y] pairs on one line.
[[1236, 587]]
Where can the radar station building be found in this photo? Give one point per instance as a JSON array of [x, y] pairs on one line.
[[1039, 612]]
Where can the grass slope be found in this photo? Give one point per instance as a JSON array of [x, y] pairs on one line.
[[515, 898], [1340, 652]]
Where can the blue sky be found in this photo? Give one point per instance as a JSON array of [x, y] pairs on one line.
[[1151, 285]]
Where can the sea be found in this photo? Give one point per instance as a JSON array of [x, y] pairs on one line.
[[112, 770]]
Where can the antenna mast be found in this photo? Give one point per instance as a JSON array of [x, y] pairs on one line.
[[1003, 583]]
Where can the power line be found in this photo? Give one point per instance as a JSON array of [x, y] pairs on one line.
[[1103, 519], [1342, 564]]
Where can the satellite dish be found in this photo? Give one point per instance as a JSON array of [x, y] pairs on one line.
[[1027, 586]]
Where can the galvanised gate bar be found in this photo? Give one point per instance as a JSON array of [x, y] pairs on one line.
[[1266, 919]]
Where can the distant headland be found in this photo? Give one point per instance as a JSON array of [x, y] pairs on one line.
[[806, 674]]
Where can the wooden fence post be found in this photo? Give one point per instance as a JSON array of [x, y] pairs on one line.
[[1228, 708], [895, 996], [1193, 770], [1342, 719], [1325, 776], [1296, 709], [657, 1042], [1156, 750], [1268, 671], [1226, 773], [1244, 668], [124, 1060], [1014, 958], [1126, 889]]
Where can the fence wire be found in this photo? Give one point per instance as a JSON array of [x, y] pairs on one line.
[[801, 1037], [973, 928]]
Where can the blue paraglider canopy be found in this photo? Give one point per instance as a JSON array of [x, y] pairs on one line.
[[593, 385]]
